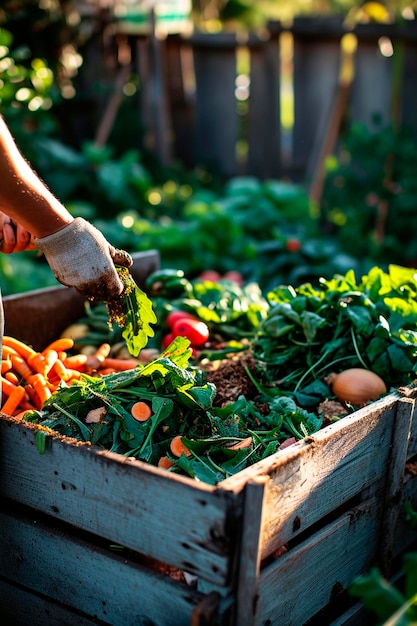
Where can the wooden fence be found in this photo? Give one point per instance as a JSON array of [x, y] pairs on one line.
[[191, 111]]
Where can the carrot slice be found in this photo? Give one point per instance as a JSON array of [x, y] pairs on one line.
[[141, 411], [165, 462], [177, 447]]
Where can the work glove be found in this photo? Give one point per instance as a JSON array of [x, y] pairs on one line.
[[81, 257]]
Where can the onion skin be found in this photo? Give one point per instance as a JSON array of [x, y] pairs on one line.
[[357, 386]]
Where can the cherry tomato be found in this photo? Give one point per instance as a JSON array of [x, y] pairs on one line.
[[293, 245], [210, 275], [175, 316], [195, 330], [235, 277]]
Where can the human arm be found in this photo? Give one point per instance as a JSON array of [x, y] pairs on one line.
[[77, 253]]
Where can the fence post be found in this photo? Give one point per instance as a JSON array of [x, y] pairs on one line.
[[216, 122], [371, 93], [264, 122], [316, 75], [408, 87]]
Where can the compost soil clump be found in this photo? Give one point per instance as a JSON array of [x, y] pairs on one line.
[[231, 379]]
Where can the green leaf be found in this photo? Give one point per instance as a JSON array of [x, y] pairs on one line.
[[377, 594], [134, 314]]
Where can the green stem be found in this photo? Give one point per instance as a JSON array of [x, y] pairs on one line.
[[355, 345], [310, 369], [340, 359], [84, 430], [396, 617]]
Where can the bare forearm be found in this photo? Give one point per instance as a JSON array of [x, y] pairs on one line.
[[23, 196]]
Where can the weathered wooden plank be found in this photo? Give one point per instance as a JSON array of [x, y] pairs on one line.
[[249, 561], [303, 581], [20, 607], [38, 317], [81, 575], [355, 616], [405, 535], [315, 79], [371, 92], [411, 392], [395, 479], [166, 516], [216, 121], [317, 475], [264, 123]]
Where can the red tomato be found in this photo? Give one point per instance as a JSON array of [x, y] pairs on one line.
[[195, 330], [234, 276], [293, 245], [210, 275], [175, 316]]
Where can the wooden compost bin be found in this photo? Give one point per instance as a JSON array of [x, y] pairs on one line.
[[278, 544]]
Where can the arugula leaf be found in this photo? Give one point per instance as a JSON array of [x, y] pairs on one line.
[[133, 312]]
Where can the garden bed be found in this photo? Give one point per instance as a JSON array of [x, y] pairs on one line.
[[90, 536]]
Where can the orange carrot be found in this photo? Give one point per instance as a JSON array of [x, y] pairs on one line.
[[177, 447], [60, 370], [20, 366], [73, 375], [21, 348], [37, 362], [13, 400], [41, 387], [12, 377], [141, 411], [95, 360], [120, 365], [6, 386], [75, 361], [7, 351], [165, 462], [50, 358], [33, 396], [25, 405], [106, 371], [6, 365], [60, 345], [102, 351]]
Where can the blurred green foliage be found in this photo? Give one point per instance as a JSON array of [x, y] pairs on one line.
[[370, 195]]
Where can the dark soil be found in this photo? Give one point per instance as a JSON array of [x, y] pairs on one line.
[[231, 379]]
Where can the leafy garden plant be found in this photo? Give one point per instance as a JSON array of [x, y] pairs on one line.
[[370, 193]]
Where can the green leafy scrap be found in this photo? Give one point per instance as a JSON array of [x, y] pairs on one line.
[[133, 312], [182, 402], [311, 331]]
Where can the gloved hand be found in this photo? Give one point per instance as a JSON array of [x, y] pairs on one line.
[[81, 257]]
